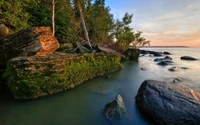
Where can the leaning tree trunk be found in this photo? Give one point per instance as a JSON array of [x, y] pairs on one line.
[[32, 41], [79, 9]]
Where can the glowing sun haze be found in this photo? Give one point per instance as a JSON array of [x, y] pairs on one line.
[[163, 22]]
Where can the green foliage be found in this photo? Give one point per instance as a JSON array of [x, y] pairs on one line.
[[134, 56], [44, 78], [125, 36], [13, 14], [101, 26]]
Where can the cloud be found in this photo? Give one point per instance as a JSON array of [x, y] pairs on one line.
[[172, 22], [173, 27]]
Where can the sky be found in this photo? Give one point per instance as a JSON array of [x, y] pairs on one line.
[[163, 22]]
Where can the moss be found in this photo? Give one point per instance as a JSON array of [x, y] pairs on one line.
[[39, 76]]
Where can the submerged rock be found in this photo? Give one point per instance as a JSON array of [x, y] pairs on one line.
[[168, 104], [115, 110], [173, 69], [143, 69], [184, 68], [168, 58], [176, 80], [188, 58], [164, 63]]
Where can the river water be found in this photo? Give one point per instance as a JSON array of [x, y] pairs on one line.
[[83, 105]]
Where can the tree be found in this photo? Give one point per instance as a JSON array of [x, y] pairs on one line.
[[13, 14], [125, 36], [80, 14]]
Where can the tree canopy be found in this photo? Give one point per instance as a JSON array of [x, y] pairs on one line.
[[102, 28]]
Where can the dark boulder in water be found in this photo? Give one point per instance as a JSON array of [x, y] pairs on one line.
[[144, 52], [188, 58], [164, 63], [168, 103], [166, 53], [115, 110], [157, 54]]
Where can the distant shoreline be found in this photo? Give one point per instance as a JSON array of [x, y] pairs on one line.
[[165, 47]]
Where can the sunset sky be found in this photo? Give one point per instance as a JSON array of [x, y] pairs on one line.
[[163, 22]]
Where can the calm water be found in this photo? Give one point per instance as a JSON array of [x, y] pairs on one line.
[[83, 105]]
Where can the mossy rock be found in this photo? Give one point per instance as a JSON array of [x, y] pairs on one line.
[[37, 76]]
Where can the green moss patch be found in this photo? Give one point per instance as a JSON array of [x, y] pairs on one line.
[[37, 76]]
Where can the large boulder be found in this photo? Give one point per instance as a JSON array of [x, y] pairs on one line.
[[32, 41], [168, 103], [36, 76], [188, 58], [115, 110]]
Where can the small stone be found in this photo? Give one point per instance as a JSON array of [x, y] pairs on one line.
[[173, 69], [176, 80]]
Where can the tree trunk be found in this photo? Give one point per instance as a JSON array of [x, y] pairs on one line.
[[53, 17], [79, 9], [32, 41]]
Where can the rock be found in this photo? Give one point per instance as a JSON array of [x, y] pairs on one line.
[[143, 69], [32, 41], [164, 63], [166, 53], [115, 110], [159, 59], [168, 58], [168, 103], [3, 30], [144, 52], [187, 58], [155, 53], [37, 76], [184, 68], [173, 69], [109, 50], [176, 80]]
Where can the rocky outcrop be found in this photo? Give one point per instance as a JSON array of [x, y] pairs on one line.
[[3, 30], [36, 76], [32, 41], [168, 103], [187, 58], [115, 110]]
